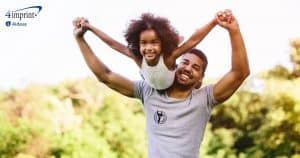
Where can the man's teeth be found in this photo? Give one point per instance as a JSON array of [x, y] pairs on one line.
[[185, 77]]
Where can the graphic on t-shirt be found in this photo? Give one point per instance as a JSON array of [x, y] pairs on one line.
[[160, 117]]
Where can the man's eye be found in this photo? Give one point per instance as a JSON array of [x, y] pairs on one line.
[[196, 67], [184, 63]]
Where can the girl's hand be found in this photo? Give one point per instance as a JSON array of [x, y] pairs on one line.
[[81, 25]]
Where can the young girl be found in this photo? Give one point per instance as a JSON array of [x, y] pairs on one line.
[[153, 45]]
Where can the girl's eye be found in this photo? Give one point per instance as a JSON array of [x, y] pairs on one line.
[[156, 42]]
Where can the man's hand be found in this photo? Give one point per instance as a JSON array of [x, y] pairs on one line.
[[226, 20]]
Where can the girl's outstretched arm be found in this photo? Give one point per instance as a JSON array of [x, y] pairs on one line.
[[111, 42], [195, 39]]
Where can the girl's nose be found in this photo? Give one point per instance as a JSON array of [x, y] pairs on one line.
[[149, 47]]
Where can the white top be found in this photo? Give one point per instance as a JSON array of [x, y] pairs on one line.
[[159, 76]]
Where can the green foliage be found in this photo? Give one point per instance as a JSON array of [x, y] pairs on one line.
[[295, 57], [14, 137], [79, 119], [81, 143], [75, 119], [258, 125], [278, 72]]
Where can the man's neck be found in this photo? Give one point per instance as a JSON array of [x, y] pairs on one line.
[[179, 92]]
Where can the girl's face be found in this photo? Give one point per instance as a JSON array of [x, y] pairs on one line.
[[150, 46]]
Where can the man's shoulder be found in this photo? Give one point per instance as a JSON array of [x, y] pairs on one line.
[[207, 92], [143, 90], [205, 88], [141, 85]]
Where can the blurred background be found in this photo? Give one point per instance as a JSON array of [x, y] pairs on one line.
[[51, 105]]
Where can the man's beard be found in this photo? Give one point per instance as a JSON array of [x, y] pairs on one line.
[[183, 86]]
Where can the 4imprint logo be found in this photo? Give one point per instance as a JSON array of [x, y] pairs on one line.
[[19, 17]]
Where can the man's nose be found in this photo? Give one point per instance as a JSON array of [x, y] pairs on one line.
[[188, 69]]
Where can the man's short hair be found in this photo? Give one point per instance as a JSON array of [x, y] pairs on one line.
[[202, 56]]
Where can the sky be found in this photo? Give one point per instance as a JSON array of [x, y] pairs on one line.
[[44, 50]]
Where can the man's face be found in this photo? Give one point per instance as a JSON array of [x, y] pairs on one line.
[[189, 70]]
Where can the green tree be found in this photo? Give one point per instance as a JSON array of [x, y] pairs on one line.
[[295, 56]]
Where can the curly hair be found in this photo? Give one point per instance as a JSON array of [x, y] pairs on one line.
[[168, 34]]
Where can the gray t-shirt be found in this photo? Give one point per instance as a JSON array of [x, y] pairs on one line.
[[175, 127]]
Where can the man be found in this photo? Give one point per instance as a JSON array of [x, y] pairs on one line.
[[176, 117]]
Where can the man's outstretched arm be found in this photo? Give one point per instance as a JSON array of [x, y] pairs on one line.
[[239, 71], [102, 72]]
